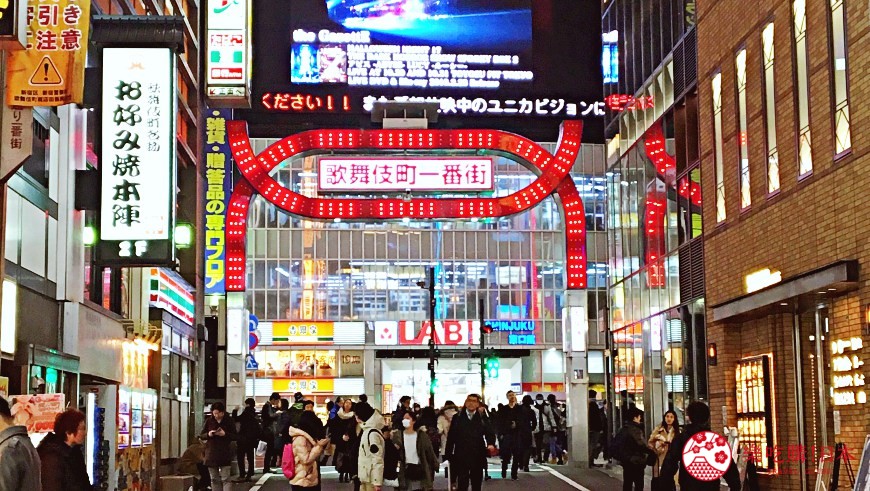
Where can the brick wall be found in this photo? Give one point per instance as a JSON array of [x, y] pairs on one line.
[[809, 223]]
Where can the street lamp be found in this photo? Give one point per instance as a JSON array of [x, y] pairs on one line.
[[431, 288]]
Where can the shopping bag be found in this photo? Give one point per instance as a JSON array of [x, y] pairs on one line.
[[288, 462], [261, 448], [449, 474]]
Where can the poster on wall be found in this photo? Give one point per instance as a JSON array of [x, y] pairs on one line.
[[37, 412]]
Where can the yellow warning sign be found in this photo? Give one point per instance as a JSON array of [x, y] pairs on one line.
[[46, 73], [50, 71]]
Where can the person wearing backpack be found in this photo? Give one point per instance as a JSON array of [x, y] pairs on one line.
[[630, 448], [307, 442], [295, 411], [546, 423], [370, 471]]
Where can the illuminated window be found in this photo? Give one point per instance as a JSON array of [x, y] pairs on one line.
[[770, 110], [717, 130], [842, 136], [805, 157], [743, 136]]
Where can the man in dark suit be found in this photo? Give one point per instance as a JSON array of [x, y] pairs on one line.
[[469, 442]]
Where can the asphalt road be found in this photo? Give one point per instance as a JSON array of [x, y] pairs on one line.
[[551, 478]]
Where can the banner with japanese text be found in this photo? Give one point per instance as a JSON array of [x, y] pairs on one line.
[[36, 412], [218, 188], [51, 71], [137, 207]]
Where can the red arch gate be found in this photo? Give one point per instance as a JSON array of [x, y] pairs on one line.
[[553, 171]]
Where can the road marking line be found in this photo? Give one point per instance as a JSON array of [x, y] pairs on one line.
[[563, 478], [260, 482]]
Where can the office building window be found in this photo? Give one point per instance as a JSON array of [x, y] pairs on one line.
[[742, 134], [717, 135], [842, 133], [805, 157], [769, 92]]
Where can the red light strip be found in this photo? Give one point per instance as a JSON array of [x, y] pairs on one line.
[[553, 176]]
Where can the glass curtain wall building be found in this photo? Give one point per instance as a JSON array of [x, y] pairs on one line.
[[656, 292], [369, 271]]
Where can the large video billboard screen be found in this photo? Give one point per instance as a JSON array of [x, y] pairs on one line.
[[520, 65]]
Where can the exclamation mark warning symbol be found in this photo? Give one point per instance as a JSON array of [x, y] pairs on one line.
[[46, 73]]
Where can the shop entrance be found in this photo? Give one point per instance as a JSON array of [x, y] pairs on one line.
[[815, 414]]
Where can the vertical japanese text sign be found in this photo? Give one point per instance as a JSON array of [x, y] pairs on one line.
[[218, 187], [137, 206], [228, 51], [50, 72]]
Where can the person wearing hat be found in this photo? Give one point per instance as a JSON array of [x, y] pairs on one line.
[[370, 463]]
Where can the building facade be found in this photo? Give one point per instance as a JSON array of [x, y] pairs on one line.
[[357, 284], [784, 158], [656, 303]]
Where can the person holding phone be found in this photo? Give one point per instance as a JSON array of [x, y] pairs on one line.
[[219, 431]]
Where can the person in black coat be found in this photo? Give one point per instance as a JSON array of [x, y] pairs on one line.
[[249, 436], [634, 451], [527, 431], [61, 456], [469, 442], [698, 414], [269, 419], [513, 425], [219, 432], [596, 427], [399, 414]]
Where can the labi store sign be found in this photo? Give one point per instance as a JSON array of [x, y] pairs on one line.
[[410, 333]]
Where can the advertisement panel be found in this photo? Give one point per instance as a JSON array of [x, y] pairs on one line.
[[138, 152], [50, 72], [219, 187], [448, 174], [37, 412], [324, 59]]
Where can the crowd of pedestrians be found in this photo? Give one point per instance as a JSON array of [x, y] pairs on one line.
[[663, 450], [404, 451]]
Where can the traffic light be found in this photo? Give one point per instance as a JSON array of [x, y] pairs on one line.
[[486, 328], [434, 386], [492, 367]]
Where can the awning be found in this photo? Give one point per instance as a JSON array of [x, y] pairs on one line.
[[800, 292]]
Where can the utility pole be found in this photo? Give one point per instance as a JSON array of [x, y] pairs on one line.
[[480, 312], [432, 336]]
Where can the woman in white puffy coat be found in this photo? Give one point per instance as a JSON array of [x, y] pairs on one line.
[[371, 448]]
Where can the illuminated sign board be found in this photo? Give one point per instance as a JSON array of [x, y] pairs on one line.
[[415, 44], [847, 382], [762, 279], [610, 56], [138, 154], [410, 333], [512, 326], [218, 188], [171, 294], [461, 174], [487, 59], [227, 50]]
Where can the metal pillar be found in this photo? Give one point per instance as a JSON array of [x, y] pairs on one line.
[[575, 331], [480, 313], [432, 336]]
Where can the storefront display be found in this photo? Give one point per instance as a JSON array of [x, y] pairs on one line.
[[754, 412], [295, 364], [136, 415]]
